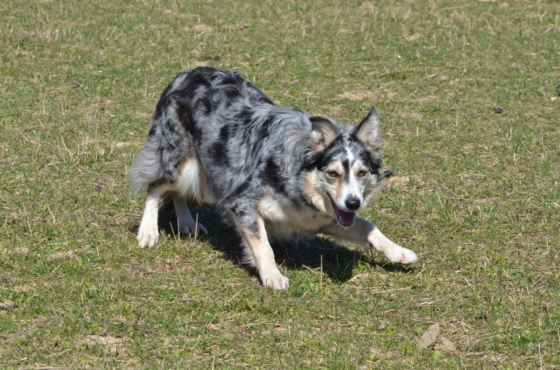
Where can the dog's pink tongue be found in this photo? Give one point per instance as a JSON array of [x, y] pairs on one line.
[[346, 218]]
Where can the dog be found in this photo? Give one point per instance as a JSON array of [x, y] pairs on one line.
[[275, 171]]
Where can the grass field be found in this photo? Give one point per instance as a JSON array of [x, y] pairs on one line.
[[470, 109]]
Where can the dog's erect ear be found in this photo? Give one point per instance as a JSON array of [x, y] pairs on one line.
[[323, 133], [367, 131]]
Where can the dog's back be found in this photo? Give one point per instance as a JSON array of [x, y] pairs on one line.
[[229, 126]]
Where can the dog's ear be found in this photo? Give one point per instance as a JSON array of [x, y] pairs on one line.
[[367, 131], [323, 133]]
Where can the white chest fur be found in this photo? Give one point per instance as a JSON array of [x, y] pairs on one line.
[[286, 219]]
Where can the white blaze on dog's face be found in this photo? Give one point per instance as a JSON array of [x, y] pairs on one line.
[[347, 175]]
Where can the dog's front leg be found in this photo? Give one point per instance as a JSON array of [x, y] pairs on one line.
[[365, 233], [148, 231], [255, 239]]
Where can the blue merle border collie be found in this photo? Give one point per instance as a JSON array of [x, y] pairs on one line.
[[276, 171]]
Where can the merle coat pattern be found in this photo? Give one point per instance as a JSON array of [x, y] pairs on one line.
[[277, 171]]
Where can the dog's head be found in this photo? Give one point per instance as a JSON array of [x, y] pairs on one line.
[[344, 167]]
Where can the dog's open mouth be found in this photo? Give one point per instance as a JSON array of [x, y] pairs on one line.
[[344, 218]]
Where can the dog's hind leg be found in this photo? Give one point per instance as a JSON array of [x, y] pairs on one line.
[[185, 221], [256, 240], [191, 184], [148, 234], [365, 233]]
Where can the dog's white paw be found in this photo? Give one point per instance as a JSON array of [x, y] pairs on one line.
[[147, 235], [193, 229], [401, 255], [275, 280]]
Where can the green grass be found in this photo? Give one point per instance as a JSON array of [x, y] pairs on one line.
[[476, 194]]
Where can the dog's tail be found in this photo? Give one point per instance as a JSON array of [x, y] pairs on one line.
[[147, 168]]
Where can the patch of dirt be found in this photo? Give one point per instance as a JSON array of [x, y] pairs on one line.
[[21, 250], [357, 95], [62, 255], [403, 182], [109, 344], [429, 99], [413, 116], [124, 144], [391, 95], [468, 148], [415, 36], [199, 63], [144, 115], [24, 288]]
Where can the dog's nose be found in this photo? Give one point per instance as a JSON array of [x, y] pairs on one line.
[[352, 203]]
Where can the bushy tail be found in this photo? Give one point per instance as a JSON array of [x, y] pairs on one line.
[[146, 168]]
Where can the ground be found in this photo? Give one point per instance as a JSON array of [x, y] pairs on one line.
[[470, 110]]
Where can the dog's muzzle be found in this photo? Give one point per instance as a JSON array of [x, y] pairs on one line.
[[344, 218]]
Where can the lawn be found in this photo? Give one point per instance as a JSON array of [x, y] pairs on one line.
[[468, 93]]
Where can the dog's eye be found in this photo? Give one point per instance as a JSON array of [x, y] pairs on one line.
[[362, 173], [333, 174]]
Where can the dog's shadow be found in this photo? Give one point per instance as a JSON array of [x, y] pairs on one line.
[[315, 253]]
